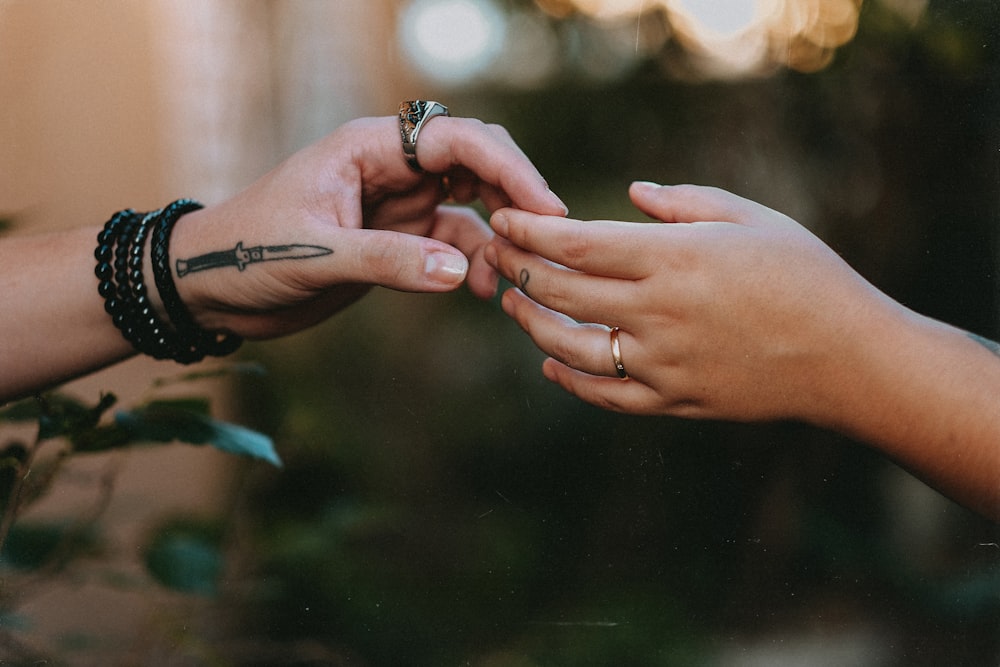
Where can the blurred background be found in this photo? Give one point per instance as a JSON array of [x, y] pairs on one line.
[[441, 503]]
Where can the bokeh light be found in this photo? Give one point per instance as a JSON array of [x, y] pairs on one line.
[[732, 38], [452, 41], [721, 17]]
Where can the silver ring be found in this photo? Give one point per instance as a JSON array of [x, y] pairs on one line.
[[413, 115], [616, 354]]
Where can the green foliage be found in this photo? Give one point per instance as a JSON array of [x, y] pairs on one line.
[[32, 546], [186, 556], [82, 428], [188, 421], [184, 420]]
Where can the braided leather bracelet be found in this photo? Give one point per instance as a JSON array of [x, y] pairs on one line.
[[199, 342]]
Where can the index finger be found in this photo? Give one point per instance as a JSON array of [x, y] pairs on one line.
[[488, 152]]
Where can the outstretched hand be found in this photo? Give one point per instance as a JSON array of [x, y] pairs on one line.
[[383, 223], [729, 311]]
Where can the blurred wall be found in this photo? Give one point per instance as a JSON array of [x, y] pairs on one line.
[[114, 104], [78, 123]]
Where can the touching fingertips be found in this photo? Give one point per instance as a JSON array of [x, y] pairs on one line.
[[507, 302], [490, 254], [559, 203], [499, 223]]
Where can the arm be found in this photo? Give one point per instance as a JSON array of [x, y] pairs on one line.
[[352, 194], [54, 326], [734, 311]]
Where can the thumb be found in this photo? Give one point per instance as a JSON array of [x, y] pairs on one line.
[[401, 261], [687, 203]]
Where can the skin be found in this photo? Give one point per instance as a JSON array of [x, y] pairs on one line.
[[734, 311], [351, 193]]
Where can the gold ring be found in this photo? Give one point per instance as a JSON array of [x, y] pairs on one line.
[[616, 354]]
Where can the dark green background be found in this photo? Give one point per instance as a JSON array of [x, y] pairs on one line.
[[442, 504]]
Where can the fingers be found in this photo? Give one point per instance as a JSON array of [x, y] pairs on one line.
[[396, 260], [581, 360], [585, 347], [599, 247], [608, 393], [448, 253], [463, 229], [488, 152], [581, 296], [689, 203]]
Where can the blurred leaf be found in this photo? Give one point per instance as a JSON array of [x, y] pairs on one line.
[[186, 557], [196, 405], [14, 621], [101, 439], [59, 415], [66, 416], [11, 458], [240, 368], [39, 480], [31, 546], [23, 411], [188, 421]]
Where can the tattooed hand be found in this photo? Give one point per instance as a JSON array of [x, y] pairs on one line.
[[295, 247], [348, 213], [734, 311]]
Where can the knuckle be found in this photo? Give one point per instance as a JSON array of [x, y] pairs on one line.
[[388, 261], [577, 245], [561, 350], [607, 402], [557, 297], [498, 130]]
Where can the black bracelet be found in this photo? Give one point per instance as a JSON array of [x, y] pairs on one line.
[[105, 253], [119, 254], [143, 328], [200, 341]]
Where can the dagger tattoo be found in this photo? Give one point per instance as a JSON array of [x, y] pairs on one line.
[[240, 257]]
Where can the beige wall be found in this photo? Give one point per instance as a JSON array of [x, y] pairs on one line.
[[76, 135]]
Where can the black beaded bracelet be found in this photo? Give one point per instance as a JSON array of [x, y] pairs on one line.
[[119, 254]]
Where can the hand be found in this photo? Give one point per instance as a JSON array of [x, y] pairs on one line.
[[732, 311], [353, 193]]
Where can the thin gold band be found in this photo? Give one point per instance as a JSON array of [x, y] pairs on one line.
[[616, 354]]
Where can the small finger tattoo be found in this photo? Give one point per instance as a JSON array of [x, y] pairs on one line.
[[524, 278]]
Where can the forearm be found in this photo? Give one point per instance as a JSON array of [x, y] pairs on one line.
[[928, 395], [54, 326]]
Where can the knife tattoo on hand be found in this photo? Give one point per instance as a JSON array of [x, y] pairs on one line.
[[240, 257]]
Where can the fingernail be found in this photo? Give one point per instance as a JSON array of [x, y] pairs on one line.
[[646, 185], [506, 302], [446, 267], [498, 221], [490, 254], [559, 202]]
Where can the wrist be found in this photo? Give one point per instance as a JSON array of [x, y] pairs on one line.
[[858, 369], [136, 280]]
